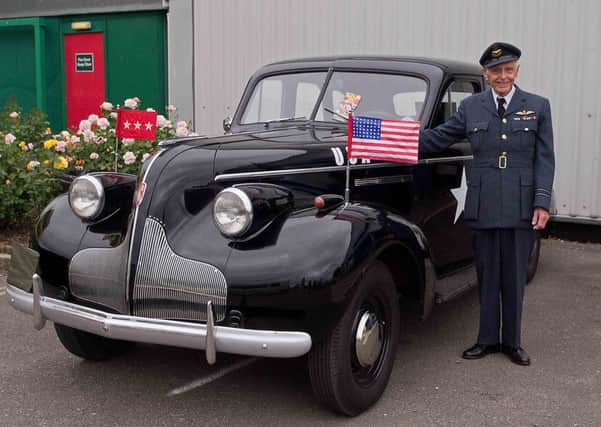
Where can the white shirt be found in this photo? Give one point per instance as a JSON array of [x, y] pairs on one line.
[[507, 97]]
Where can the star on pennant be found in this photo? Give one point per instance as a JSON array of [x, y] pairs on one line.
[[148, 126], [126, 124], [137, 125]]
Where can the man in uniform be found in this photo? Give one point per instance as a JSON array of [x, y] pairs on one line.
[[509, 191]]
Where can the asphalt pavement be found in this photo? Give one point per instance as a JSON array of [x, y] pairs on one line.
[[41, 384]]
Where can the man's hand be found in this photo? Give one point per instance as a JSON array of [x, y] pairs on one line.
[[540, 218]]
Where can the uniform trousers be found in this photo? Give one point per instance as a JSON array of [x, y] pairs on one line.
[[502, 266]]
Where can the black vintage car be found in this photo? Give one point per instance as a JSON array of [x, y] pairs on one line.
[[245, 244]]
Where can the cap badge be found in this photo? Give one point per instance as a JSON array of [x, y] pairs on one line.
[[495, 53]]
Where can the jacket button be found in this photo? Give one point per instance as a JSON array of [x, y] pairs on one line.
[[504, 120], [526, 129], [475, 129], [503, 136]]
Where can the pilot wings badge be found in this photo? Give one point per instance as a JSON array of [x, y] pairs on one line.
[[524, 112]]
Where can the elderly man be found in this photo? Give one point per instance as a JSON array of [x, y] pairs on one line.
[[509, 192]]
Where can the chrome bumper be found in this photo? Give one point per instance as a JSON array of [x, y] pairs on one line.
[[206, 337]]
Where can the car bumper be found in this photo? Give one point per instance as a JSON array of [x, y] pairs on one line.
[[206, 337]]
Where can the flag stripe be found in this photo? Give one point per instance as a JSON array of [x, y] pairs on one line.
[[385, 157], [389, 128], [388, 142], [384, 149]]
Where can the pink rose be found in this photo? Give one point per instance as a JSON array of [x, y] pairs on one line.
[[162, 122], [7, 182], [129, 158], [85, 125], [114, 115], [60, 146], [131, 103], [9, 138], [103, 123], [150, 109], [106, 106], [93, 118], [93, 156], [13, 115], [89, 136], [75, 139], [145, 156]]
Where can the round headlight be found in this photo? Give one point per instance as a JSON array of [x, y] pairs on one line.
[[86, 196], [232, 212]]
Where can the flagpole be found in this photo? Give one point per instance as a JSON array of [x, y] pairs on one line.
[[347, 190], [117, 143]]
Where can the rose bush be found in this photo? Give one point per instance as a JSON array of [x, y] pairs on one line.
[[34, 161]]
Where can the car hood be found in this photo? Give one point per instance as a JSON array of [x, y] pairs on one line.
[[181, 184]]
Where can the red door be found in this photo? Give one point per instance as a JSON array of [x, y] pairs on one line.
[[84, 69]]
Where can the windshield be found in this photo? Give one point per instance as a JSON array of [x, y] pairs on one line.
[[294, 96]]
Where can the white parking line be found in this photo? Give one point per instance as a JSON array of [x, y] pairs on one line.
[[206, 380]]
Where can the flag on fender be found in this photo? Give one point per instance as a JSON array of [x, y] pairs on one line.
[[136, 124], [380, 139]]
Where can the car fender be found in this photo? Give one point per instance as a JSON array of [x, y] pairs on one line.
[[59, 234], [311, 261]]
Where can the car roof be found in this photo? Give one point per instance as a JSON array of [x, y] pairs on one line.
[[446, 65]]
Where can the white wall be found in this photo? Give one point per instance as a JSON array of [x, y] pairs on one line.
[[560, 40]]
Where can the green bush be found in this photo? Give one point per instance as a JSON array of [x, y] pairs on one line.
[[33, 160]]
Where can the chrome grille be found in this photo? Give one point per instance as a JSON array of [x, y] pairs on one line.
[[168, 286]]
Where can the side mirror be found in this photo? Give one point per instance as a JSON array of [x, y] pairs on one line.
[[227, 124]]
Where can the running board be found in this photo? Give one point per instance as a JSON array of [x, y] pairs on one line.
[[454, 285]]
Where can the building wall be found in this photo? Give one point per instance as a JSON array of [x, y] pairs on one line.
[[559, 38], [134, 56]]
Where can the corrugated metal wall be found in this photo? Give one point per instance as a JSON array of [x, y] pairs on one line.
[[561, 41]]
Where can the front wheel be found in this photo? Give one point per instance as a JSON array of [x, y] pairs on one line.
[[89, 346], [350, 368]]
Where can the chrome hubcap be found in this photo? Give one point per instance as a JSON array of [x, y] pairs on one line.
[[368, 341]]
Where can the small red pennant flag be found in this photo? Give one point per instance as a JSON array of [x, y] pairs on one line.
[[136, 124]]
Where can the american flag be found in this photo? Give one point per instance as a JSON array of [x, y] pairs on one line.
[[379, 139]]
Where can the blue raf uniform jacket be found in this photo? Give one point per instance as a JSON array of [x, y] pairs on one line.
[[513, 166]]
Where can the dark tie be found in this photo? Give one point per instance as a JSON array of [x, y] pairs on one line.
[[501, 106]]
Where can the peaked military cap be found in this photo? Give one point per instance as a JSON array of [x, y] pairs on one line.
[[499, 53]]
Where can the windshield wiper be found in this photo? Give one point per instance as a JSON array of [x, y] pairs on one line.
[[287, 119], [335, 113]]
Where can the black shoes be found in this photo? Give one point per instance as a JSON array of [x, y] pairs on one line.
[[517, 355], [478, 351]]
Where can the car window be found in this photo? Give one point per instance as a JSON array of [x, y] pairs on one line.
[[456, 92], [284, 96], [386, 96], [295, 95]]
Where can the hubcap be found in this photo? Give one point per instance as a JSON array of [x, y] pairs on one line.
[[369, 340]]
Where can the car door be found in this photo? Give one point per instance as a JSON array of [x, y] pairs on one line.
[[441, 185]]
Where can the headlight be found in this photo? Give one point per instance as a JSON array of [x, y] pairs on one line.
[[232, 212], [86, 197]]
